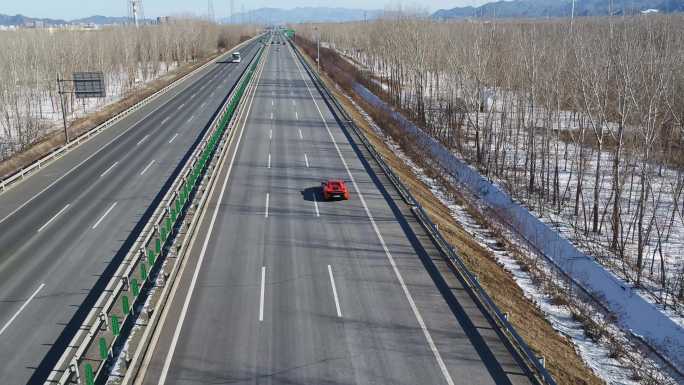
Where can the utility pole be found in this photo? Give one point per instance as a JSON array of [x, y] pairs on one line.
[[318, 49], [61, 100]]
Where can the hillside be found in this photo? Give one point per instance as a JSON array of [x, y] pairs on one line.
[[303, 15], [556, 8]]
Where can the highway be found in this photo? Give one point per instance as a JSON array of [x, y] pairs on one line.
[[282, 288], [65, 230]]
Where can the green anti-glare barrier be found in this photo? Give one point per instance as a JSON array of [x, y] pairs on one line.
[[150, 257], [125, 305], [143, 272], [134, 287], [157, 246], [116, 327], [103, 349], [89, 376]]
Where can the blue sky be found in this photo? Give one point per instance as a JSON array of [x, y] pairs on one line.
[[72, 9]]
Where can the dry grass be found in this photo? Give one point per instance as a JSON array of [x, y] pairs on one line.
[[55, 138], [562, 360]]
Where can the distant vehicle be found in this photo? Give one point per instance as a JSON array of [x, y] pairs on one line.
[[236, 57], [334, 189]]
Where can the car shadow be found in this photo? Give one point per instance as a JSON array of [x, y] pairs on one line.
[[312, 193]]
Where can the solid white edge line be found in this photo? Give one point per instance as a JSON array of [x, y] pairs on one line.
[[269, 160], [53, 218], [147, 167], [23, 306], [104, 215], [109, 169], [193, 282], [267, 199], [397, 273], [263, 293], [334, 289], [173, 138]]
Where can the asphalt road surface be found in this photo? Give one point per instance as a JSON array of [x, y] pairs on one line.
[[64, 231], [282, 288]]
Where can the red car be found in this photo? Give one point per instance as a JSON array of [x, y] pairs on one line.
[[334, 188]]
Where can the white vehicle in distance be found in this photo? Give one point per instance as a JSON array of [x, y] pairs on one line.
[[236, 57]]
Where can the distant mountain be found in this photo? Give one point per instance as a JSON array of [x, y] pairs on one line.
[[101, 20], [18, 20], [560, 8], [21, 20], [303, 15]]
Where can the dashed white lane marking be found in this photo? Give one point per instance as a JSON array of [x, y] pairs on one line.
[[173, 138], [192, 117], [54, 217], [109, 169], [334, 289], [21, 308], [203, 104], [296, 115], [306, 160], [294, 103], [143, 139], [318, 213], [165, 120], [181, 106], [393, 264], [148, 167], [272, 102], [104, 215], [271, 115], [300, 133], [263, 293], [269, 160], [270, 134], [268, 196]]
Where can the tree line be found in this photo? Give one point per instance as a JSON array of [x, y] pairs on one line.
[[581, 120], [31, 60]]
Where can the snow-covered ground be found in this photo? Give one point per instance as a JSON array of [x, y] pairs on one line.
[[663, 234], [42, 109], [596, 355], [634, 313]]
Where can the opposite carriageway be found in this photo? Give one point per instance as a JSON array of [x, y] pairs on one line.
[[65, 229]]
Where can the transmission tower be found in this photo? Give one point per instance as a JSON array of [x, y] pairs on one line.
[[210, 11], [135, 11]]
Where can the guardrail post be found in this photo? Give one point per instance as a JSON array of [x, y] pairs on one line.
[[73, 368], [103, 319]]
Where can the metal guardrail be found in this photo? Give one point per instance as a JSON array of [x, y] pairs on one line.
[[11, 179], [133, 277], [540, 373]]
